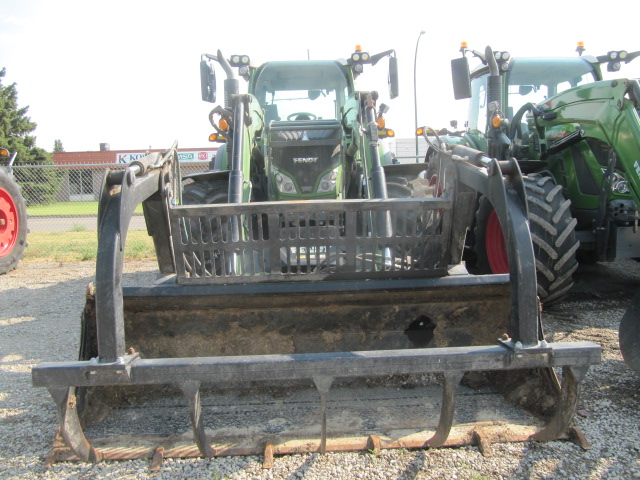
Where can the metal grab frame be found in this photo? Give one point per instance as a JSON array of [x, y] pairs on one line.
[[115, 367], [574, 357]]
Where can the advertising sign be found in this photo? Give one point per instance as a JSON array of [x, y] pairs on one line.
[[183, 156]]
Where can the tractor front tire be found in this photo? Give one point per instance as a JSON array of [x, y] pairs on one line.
[[205, 192], [13, 223], [553, 233]]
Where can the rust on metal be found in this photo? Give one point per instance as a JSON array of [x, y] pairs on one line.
[[374, 444], [483, 443], [157, 459], [480, 434], [563, 416], [268, 460], [451, 382], [578, 437]]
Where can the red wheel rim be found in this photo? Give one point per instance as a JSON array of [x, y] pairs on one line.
[[8, 223], [494, 245], [433, 181]]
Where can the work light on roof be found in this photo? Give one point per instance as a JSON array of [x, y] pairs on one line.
[[239, 60], [502, 58], [359, 56]]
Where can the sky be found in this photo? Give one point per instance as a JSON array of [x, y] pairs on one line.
[[126, 73]]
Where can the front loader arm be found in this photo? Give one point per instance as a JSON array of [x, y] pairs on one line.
[[485, 175], [378, 184], [122, 192]]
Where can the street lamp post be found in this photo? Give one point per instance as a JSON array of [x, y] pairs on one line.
[[415, 91]]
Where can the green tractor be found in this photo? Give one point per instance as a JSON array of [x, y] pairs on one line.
[[577, 139], [310, 134], [13, 217], [304, 262]]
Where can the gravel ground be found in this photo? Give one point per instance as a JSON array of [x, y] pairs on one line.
[[39, 321]]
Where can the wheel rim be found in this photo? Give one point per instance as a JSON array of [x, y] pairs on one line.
[[8, 223], [494, 244], [433, 181]]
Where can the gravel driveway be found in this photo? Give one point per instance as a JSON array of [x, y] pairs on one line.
[[39, 321]]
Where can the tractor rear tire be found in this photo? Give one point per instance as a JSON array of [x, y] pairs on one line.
[[405, 186], [410, 223], [629, 335], [208, 193], [409, 186], [13, 223], [552, 231]]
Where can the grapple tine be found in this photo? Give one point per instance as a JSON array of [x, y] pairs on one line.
[[451, 382], [268, 461], [561, 421], [70, 428], [191, 392], [157, 459], [323, 384]]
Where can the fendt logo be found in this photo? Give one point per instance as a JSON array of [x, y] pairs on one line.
[[305, 159]]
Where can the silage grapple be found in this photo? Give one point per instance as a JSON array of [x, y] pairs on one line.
[[322, 291]]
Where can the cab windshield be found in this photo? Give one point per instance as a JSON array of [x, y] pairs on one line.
[[530, 80], [301, 90]]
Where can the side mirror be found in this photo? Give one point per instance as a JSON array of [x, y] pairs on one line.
[[314, 94], [207, 82], [461, 78], [525, 89], [393, 77]]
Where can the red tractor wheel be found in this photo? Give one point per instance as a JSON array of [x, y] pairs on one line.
[[13, 223], [552, 231], [494, 244]]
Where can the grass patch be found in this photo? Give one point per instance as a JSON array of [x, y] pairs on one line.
[[82, 209], [80, 245]]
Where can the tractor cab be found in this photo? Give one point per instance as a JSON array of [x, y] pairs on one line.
[[302, 104], [301, 91], [529, 80]]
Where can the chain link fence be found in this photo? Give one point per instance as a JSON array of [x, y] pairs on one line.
[[65, 197]]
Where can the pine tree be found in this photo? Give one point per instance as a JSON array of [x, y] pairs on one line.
[[57, 146], [39, 185]]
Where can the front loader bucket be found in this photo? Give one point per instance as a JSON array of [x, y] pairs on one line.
[[303, 327]]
